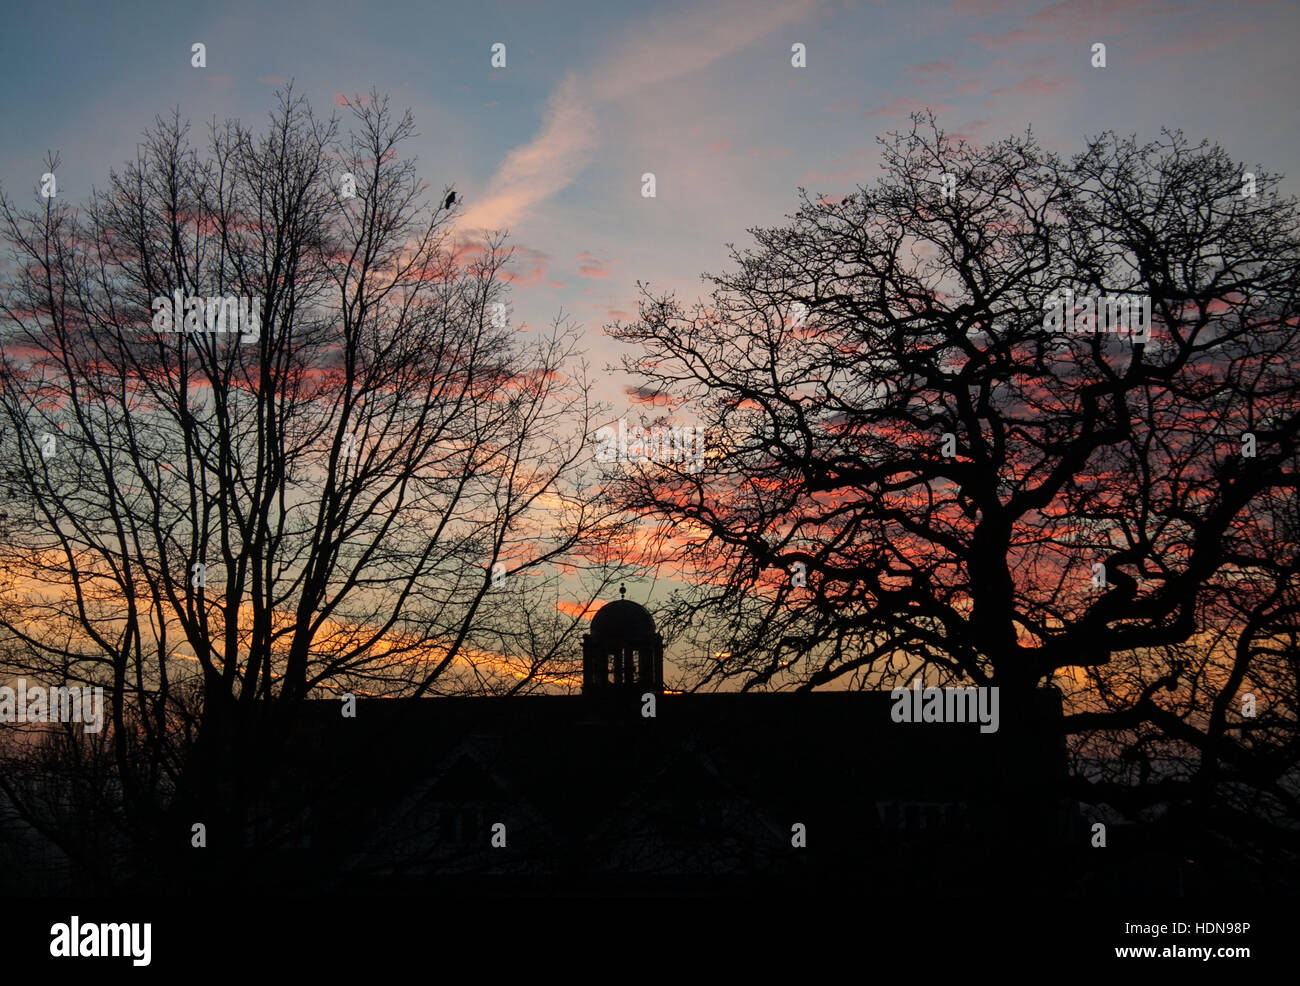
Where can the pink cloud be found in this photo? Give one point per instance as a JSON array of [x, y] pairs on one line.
[[1190, 44], [1077, 20], [273, 80], [537, 170], [842, 106], [526, 268], [932, 68], [851, 168], [1033, 86], [904, 105], [997, 42], [577, 610], [660, 49], [1024, 64], [968, 134], [978, 7], [936, 77], [655, 49], [593, 268], [645, 395], [809, 177]]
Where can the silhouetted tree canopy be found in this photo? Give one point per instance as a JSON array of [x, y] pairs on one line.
[[372, 486], [910, 465]]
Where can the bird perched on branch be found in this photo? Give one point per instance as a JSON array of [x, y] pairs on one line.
[[450, 199]]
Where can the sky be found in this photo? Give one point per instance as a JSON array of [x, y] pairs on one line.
[[553, 146]]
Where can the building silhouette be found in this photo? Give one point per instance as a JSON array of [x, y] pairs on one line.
[[610, 792]]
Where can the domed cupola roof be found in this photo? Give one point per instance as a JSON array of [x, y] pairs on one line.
[[623, 619]]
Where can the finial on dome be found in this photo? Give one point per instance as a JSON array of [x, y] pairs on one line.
[[622, 590]]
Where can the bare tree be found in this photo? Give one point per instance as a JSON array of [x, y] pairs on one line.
[[917, 462], [270, 434]]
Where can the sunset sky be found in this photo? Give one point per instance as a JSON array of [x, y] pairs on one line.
[[702, 94]]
